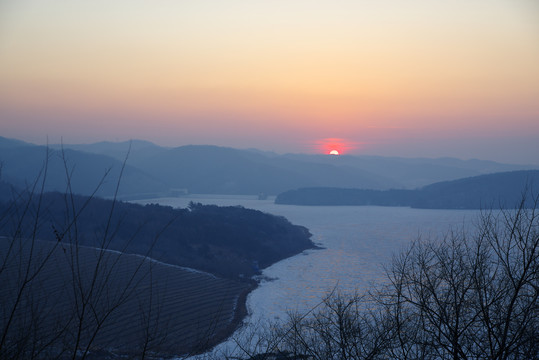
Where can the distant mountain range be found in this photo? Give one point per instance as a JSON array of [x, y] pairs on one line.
[[499, 190], [152, 170], [23, 164]]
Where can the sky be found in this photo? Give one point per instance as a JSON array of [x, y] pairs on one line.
[[411, 78]]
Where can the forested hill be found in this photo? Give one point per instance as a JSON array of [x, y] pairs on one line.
[[226, 241], [486, 191]]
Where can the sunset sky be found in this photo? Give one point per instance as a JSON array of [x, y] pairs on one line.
[[388, 77]]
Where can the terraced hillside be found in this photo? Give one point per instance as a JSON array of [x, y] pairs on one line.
[[61, 299]]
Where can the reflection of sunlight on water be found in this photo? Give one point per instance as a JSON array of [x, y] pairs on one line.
[[356, 240]]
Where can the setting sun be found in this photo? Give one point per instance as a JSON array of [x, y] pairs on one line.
[[335, 146]]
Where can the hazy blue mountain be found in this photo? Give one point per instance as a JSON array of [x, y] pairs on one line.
[[499, 190], [212, 169], [7, 143], [413, 173], [21, 166], [134, 149]]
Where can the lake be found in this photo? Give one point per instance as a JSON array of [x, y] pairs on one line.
[[357, 241]]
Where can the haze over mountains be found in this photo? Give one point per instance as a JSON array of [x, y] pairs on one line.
[[152, 170], [22, 163]]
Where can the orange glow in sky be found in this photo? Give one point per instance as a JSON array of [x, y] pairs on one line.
[[415, 78], [331, 145]]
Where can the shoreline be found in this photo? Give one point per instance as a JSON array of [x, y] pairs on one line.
[[240, 313]]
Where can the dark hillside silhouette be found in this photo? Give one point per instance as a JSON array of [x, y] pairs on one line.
[[225, 241], [485, 191]]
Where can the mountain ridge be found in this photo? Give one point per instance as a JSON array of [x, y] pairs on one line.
[[155, 171]]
